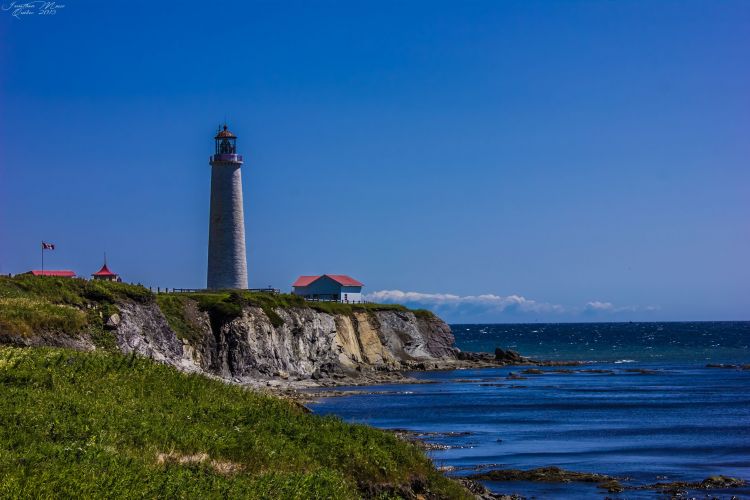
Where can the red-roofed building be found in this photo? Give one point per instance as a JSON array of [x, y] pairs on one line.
[[335, 287], [52, 272], [105, 274]]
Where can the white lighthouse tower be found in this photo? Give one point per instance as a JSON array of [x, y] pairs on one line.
[[227, 262]]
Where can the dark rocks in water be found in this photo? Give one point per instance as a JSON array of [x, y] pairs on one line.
[[642, 371], [558, 363], [711, 483], [541, 474], [597, 370], [722, 482], [508, 356], [533, 371], [609, 483], [724, 365], [515, 376], [481, 492], [612, 486], [474, 356], [420, 439]]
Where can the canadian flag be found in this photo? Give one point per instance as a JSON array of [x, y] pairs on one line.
[[48, 246]]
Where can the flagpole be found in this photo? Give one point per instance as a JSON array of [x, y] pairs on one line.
[[42, 258]]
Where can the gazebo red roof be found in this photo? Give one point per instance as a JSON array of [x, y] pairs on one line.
[[104, 271]]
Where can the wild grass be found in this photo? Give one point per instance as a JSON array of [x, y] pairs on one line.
[[36, 304], [106, 425], [30, 304]]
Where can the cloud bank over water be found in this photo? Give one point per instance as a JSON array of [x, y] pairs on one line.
[[491, 307]]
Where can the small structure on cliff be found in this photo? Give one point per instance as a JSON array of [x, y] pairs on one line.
[[105, 274], [52, 272], [329, 287]]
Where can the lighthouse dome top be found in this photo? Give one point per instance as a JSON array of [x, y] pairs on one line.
[[225, 133]]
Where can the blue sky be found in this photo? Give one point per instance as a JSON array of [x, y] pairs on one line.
[[494, 161]]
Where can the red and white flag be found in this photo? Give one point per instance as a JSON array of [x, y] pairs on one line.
[[48, 246]]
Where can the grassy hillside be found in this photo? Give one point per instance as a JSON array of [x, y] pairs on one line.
[[106, 425], [31, 304]]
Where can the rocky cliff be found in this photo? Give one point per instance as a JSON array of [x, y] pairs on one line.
[[238, 336], [301, 343]]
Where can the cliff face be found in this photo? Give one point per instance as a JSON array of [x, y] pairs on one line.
[[305, 344]]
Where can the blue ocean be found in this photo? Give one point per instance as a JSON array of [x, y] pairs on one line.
[[645, 407]]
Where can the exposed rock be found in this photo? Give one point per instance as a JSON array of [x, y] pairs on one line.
[[542, 474], [609, 483], [612, 486], [721, 482], [642, 371], [533, 371], [679, 487], [112, 322], [475, 356], [306, 344], [481, 492], [508, 356]]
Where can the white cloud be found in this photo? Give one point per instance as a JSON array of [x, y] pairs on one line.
[[489, 301], [596, 305]]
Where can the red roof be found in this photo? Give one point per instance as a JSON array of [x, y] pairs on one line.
[[104, 271], [305, 280], [341, 279], [65, 273]]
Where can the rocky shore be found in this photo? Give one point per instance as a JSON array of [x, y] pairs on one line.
[[282, 349], [604, 482]]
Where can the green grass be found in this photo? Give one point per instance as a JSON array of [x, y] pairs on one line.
[[35, 304], [106, 425], [175, 309]]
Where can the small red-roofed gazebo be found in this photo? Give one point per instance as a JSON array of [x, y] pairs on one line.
[[105, 274]]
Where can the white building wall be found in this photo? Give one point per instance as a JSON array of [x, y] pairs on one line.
[[351, 296]]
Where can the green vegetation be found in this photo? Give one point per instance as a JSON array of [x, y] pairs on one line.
[[106, 425], [34, 304]]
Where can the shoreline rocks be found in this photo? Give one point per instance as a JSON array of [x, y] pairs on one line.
[[611, 484]]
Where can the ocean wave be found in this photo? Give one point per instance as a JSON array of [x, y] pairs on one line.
[[620, 361]]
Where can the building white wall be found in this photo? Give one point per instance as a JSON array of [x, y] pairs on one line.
[[351, 296], [227, 260]]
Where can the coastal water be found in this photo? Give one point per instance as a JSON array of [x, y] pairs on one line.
[[645, 407]]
